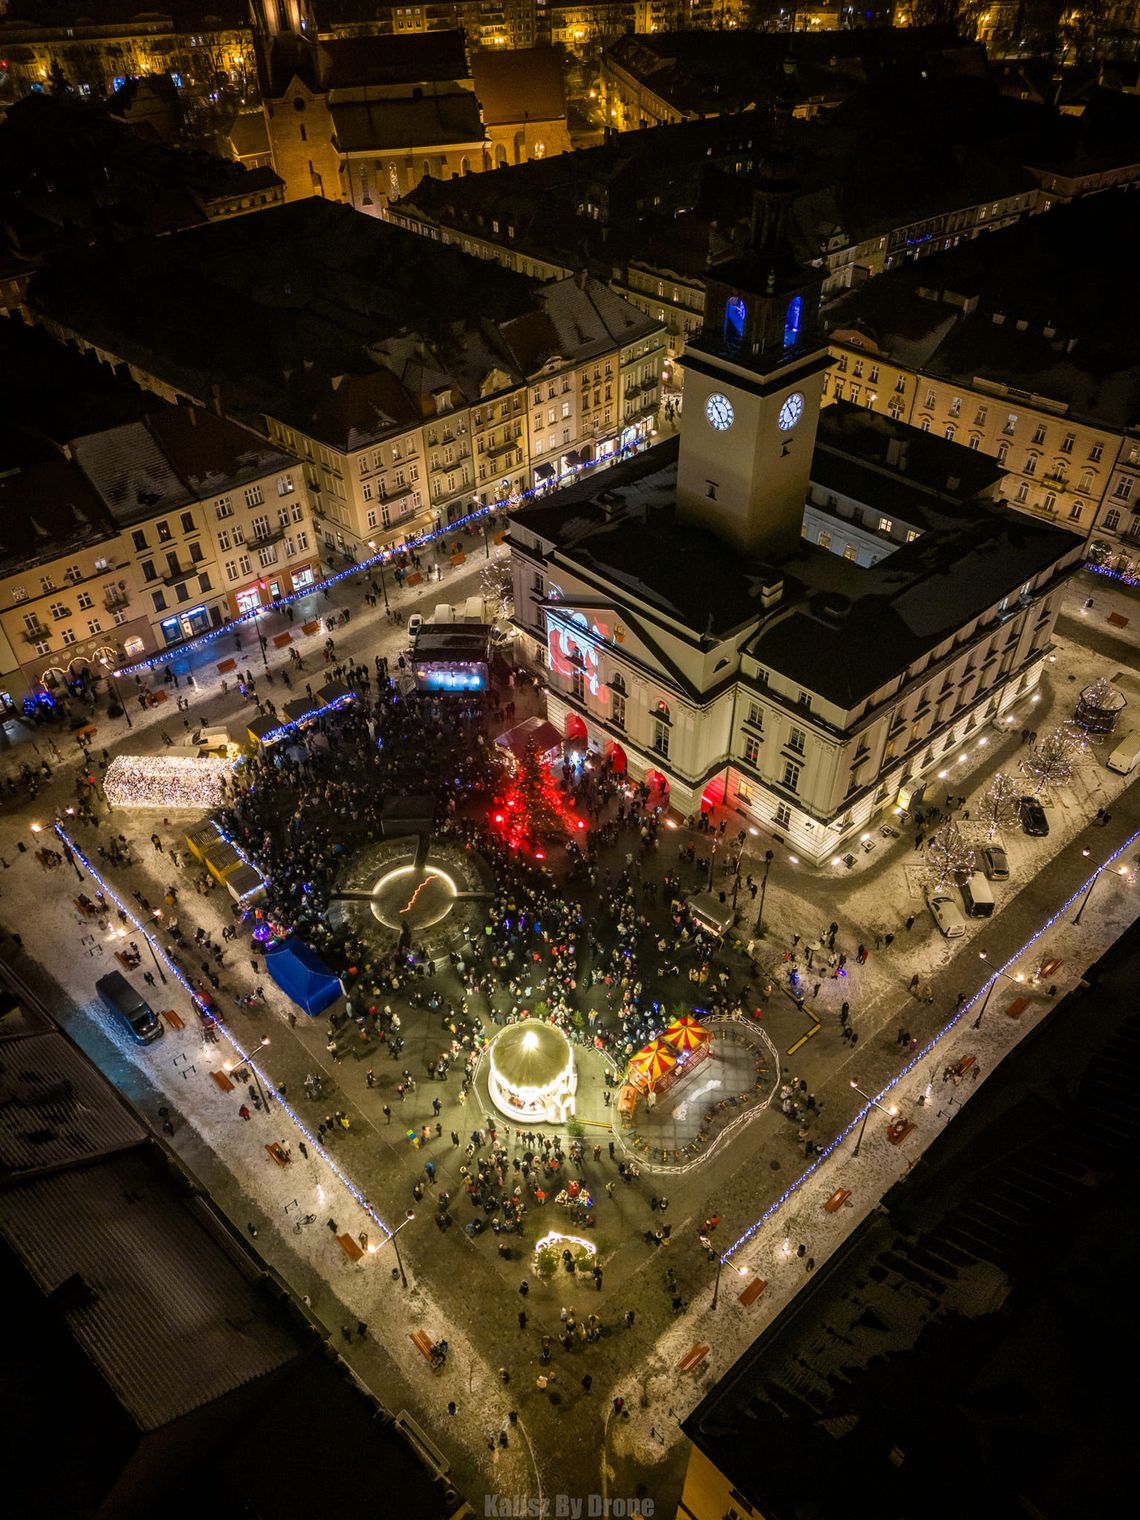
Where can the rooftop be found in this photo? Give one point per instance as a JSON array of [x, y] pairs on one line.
[[972, 555], [1007, 310], [521, 84], [312, 313]]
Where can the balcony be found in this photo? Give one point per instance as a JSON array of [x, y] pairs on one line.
[[114, 600], [34, 635], [263, 540]]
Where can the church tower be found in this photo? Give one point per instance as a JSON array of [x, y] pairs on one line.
[[753, 387]]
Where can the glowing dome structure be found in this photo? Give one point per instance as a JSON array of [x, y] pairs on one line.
[[532, 1078]]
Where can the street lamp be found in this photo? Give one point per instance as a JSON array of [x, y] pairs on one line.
[[248, 1061], [380, 566], [106, 664], [983, 955], [411, 1214], [716, 1286], [1120, 871], [890, 1112], [769, 856]]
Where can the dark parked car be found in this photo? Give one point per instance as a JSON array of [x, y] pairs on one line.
[[1033, 819]]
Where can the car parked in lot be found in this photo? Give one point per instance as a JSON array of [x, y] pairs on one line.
[[1033, 819], [415, 623], [946, 914], [995, 862]]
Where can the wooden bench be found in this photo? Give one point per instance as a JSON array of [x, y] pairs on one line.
[[837, 1200], [422, 1341], [225, 666], [693, 1359], [1017, 1007], [173, 1019], [457, 559], [753, 1291], [125, 961], [155, 697], [280, 640], [349, 1247], [965, 1063], [897, 1133], [89, 910], [278, 1154], [88, 731], [413, 579], [220, 1079], [313, 626], [1050, 967]]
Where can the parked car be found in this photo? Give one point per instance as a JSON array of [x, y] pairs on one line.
[[501, 636], [995, 862], [415, 623], [1033, 819], [946, 914]]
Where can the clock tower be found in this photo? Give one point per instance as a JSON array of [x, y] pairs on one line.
[[753, 386]]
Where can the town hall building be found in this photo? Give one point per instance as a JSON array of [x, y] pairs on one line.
[[694, 634]]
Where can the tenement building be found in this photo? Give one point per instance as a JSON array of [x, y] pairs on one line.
[[998, 348], [412, 383], [693, 636]]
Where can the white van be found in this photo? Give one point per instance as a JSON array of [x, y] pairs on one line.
[[443, 613], [473, 610], [977, 896], [1125, 755]]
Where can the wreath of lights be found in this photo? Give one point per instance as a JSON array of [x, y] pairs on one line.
[[223, 1032], [382, 557], [927, 1049], [166, 781]]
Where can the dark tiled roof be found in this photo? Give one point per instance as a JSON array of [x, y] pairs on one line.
[[524, 84], [411, 58], [46, 507], [363, 126]]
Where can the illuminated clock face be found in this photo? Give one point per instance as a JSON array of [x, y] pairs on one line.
[[718, 409], [791, 412]]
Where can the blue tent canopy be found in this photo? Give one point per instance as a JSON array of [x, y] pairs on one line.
[[302, 975]]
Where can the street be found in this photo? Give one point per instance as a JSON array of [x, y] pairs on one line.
[[568, 1437]]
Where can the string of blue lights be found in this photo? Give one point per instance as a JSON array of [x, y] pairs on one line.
[[381, 557], [927, 1049], [1115, 575], [224, 1033]]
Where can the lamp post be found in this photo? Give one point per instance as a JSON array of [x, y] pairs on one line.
[[106, 664], [380, 566], [248, 1061], [396, 1245], [769, 856], [983, 955], [1120, 871], [890, 1112], [716, 1286]]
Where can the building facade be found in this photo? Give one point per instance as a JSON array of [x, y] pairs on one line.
[[702, 644]]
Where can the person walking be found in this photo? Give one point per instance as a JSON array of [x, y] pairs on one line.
[[587, 1382], [910, 922], [630, 1316], [387, 1112], [524, 1288], [522, 1319]]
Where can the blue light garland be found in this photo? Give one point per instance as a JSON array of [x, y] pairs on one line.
[[221, 1029], [1116, 575], [276, 734], [926, 1050], [381, 557]]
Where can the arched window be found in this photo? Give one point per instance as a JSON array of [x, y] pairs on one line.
[[618, 683], [465, 166], [792, 319], [663, 711], [500, 156], [734, 314]]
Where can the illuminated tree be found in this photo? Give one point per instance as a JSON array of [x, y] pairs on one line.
[[531, 809], [497, 587], [999, 805], [1049, 761], [949, 856]]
